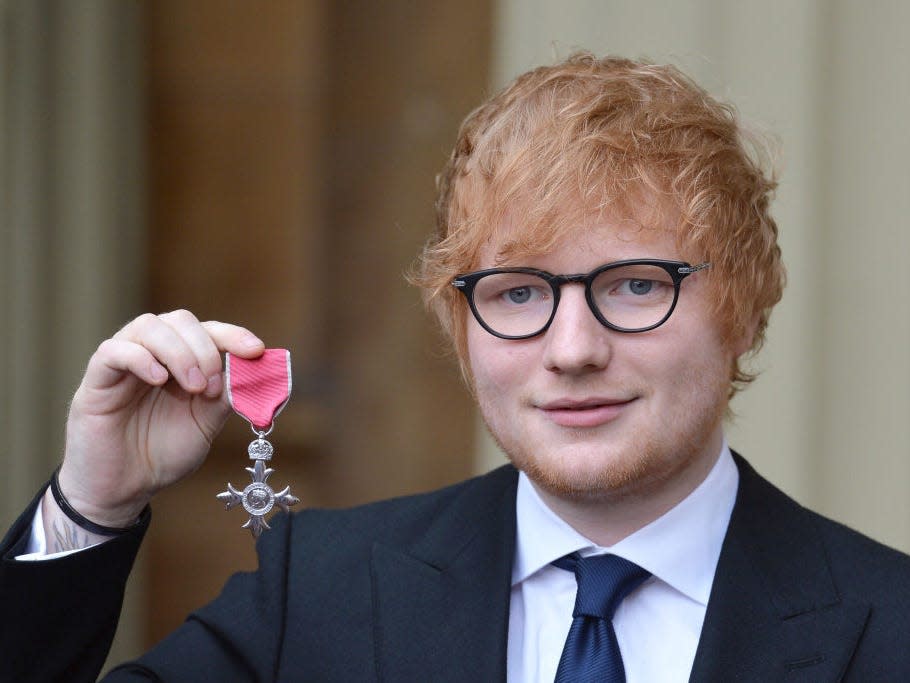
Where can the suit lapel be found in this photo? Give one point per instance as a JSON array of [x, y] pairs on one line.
[[441, 606], [774, 611]]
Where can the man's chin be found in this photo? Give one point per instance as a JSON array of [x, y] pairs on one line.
[[588, 480]]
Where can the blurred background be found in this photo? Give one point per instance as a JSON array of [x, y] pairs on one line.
[[272, 164]]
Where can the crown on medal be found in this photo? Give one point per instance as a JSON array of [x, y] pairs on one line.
[[260, 449]]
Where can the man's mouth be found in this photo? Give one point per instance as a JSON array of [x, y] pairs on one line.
[[585, 412]]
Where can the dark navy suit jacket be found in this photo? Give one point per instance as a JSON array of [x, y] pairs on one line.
[[417, 589]]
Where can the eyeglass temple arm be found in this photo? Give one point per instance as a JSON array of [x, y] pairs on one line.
[[688, 270]]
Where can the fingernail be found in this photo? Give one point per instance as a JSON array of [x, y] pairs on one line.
[[213, 387], [158, 373], [195, 378], [251, 341]]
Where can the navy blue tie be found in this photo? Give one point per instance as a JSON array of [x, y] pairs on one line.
[[591, 652]]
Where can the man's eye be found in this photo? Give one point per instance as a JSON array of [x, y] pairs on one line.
[[511, 291], [640, 287], [519, 295]]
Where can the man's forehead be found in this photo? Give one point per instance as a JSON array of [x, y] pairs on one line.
[[516, 239]]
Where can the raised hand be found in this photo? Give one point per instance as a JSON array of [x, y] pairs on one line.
[[150, 403]]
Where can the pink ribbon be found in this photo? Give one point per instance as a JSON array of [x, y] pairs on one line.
[[259, 388]]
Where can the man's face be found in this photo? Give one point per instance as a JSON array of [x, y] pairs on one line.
[[593, 414]]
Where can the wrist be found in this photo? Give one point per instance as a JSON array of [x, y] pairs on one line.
[[110, 523], [60, 533]]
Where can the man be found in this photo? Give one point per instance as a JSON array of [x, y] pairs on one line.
[[604, 259]]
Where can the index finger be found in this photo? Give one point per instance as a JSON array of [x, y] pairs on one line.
[[234, 339]]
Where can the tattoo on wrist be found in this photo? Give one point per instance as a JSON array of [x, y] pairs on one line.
[[68, 536]]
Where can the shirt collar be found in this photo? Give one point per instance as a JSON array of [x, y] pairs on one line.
[[680, 548]]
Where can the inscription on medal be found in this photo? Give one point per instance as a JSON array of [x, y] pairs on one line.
[[258, 499]]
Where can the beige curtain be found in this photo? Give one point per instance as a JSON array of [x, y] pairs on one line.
[[829, 419], [71, 215]]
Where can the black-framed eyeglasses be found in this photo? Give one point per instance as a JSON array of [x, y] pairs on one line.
[[635, 295]]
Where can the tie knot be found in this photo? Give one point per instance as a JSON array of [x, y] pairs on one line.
[[603, 582]]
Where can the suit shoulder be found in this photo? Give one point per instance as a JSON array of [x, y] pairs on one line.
[[398, 520], [863, 563]]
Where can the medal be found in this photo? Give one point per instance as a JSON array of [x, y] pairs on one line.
[[258, 389]]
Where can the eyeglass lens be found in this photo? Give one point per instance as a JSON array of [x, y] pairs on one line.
[[632, 297]]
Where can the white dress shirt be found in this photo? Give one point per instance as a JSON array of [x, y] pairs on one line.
[[658, 624]]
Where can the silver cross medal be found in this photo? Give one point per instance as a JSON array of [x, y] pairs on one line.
[[258, 390], [258, 498]]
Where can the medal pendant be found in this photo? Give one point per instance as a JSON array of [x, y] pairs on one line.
[[258, 498]]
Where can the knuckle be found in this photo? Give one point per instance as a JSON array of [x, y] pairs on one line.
[[181, 315], [143, 320], [106, 348], [137, 326]]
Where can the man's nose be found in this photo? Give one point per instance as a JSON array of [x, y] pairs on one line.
[[576, 342]]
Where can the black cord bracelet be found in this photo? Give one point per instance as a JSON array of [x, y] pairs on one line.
[[87, 524]]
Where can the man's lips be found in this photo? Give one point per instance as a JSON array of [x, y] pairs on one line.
[[588, 412]]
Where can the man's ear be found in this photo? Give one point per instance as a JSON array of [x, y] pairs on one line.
[[743, 341]]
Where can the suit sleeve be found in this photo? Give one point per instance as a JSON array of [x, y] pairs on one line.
[[61, 614]]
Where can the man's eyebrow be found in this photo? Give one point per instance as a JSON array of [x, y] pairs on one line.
[[513, 254]]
